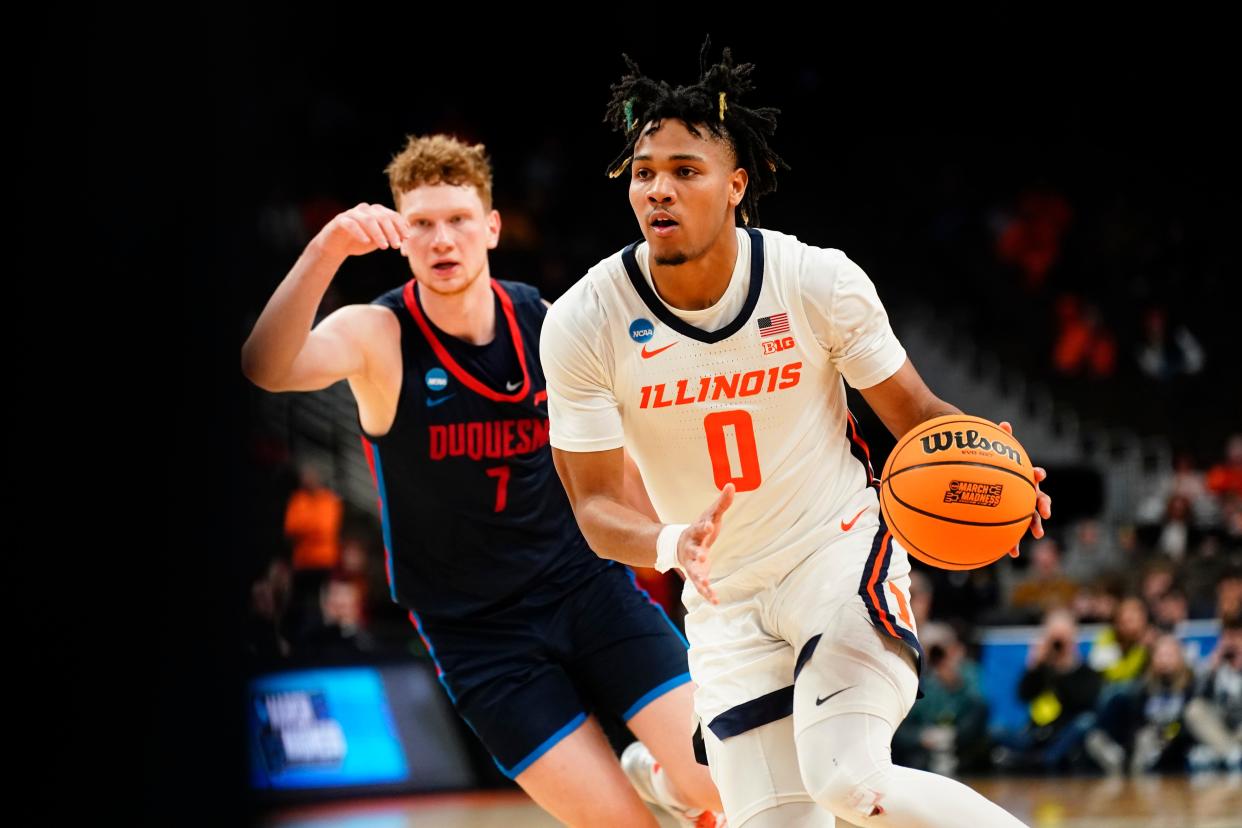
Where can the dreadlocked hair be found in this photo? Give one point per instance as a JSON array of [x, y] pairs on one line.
[[713, 103]]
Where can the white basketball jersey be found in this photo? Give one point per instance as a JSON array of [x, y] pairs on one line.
[[749, 391]]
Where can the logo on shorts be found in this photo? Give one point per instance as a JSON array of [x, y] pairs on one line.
[[819, 701], [641, 330], [974, 494], [437, 379], [847, 525]]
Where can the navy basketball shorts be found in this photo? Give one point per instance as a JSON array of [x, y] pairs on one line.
[[527, 677]]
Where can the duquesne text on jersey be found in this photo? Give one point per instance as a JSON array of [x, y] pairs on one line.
[[728, 386], [490, 438]]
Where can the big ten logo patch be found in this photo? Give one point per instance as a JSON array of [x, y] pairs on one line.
[[773, 346]]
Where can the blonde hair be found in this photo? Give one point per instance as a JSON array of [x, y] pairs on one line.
[[440, 159]]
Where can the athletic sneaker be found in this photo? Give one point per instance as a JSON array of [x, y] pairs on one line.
[[648, 779]]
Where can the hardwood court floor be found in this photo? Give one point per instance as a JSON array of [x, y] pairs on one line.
[[1205, 801]]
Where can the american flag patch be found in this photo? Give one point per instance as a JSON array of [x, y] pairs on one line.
[[773, 325]]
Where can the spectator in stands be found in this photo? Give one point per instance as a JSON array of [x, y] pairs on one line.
[[269, 597], [1091, 553], [1031, 239], [313, 525], [1214, 715], [946, 730], [1229, 595], [1225, 478], [1231, 518], [1061, 692], [1145, 720], [1121, 651], [1183, 480], [1172, 609], [343, 633], [1084, 345], [1098, 602], [1163, 355], [1177, 535], [368, 570], [1046, 586], [1162, 741], [1158, 578]]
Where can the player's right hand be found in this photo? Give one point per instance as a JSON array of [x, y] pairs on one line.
[[696, 542], [363, 229]]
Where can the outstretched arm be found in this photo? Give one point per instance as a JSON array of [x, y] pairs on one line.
[[283, 353]]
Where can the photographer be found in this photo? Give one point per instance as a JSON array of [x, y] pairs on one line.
[[1060, 691]]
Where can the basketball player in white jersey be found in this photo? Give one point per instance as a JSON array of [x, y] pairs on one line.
[[716, 355]]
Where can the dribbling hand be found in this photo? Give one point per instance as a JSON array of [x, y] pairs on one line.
[[1043, 503]]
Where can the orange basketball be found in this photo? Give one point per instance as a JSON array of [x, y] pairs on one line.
[[958, 492]]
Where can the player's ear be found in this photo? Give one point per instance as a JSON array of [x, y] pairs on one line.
[[737, 186], [493, 229]]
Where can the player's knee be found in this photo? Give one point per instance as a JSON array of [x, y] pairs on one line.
[[846, 795], [843, 776]]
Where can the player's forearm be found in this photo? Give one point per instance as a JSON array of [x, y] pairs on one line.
[[617, 531], [286, 321], [936, 407], [920, 413]]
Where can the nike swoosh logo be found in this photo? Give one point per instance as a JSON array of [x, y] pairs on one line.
[[649, 354], [433, 403], [512, 386], [845, 527], [819, 701]]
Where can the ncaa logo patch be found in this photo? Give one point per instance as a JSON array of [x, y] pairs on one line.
[[437, 379], [641, 330]]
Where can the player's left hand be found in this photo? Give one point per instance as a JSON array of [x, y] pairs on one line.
[[694, 545], [1043, 503]]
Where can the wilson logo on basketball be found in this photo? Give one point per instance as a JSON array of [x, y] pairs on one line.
[[968, 442], [974, 494]]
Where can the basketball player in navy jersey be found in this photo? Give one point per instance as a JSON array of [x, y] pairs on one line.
[[530, 630]]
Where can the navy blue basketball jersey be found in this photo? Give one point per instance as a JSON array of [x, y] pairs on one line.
[[474, 515]]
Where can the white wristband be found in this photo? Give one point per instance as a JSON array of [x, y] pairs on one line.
[[666, 547]]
